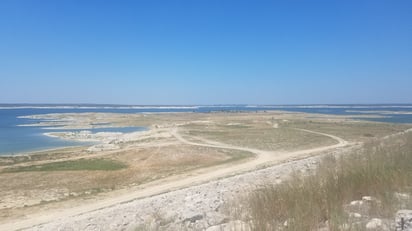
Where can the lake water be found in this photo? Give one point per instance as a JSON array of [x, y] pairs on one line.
[[17, 139]]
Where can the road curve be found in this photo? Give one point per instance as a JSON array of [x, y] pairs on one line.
[[165, 185]]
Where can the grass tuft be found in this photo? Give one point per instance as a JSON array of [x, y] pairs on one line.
[[309, 202]]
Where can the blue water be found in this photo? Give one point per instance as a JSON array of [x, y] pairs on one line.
[[16, 139]]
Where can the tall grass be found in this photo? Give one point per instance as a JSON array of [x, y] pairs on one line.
[[308, 202]]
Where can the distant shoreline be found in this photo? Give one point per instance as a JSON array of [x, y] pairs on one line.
[[125, 107], [35, 119]]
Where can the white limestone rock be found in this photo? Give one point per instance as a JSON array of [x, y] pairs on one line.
[[374, 224], [403, 220]]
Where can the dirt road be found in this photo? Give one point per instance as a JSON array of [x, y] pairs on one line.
[[173, 183]]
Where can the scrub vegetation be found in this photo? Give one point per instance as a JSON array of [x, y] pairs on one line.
[[381, 170]]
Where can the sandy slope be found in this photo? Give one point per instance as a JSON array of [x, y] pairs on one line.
[[173, 183]]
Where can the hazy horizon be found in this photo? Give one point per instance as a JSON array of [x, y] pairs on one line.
[[200, 105]]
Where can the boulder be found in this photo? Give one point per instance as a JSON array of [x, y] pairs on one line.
[[192, 216], [367, 198], [403, 220], [374, 224]]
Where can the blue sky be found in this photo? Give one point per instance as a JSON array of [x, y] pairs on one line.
[[206, 51]]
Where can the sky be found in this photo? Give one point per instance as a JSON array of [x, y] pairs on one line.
[[206, 51]]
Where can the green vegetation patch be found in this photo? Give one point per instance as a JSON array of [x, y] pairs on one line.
[[72, 165]]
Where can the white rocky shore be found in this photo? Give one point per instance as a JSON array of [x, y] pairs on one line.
[[105, 141]]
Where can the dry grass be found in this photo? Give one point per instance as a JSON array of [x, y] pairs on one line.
[[260, 136], [306, 203], [348, 130], [24, 186]]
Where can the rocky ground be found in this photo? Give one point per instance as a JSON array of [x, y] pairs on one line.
[[202, 207], [211, 207]]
